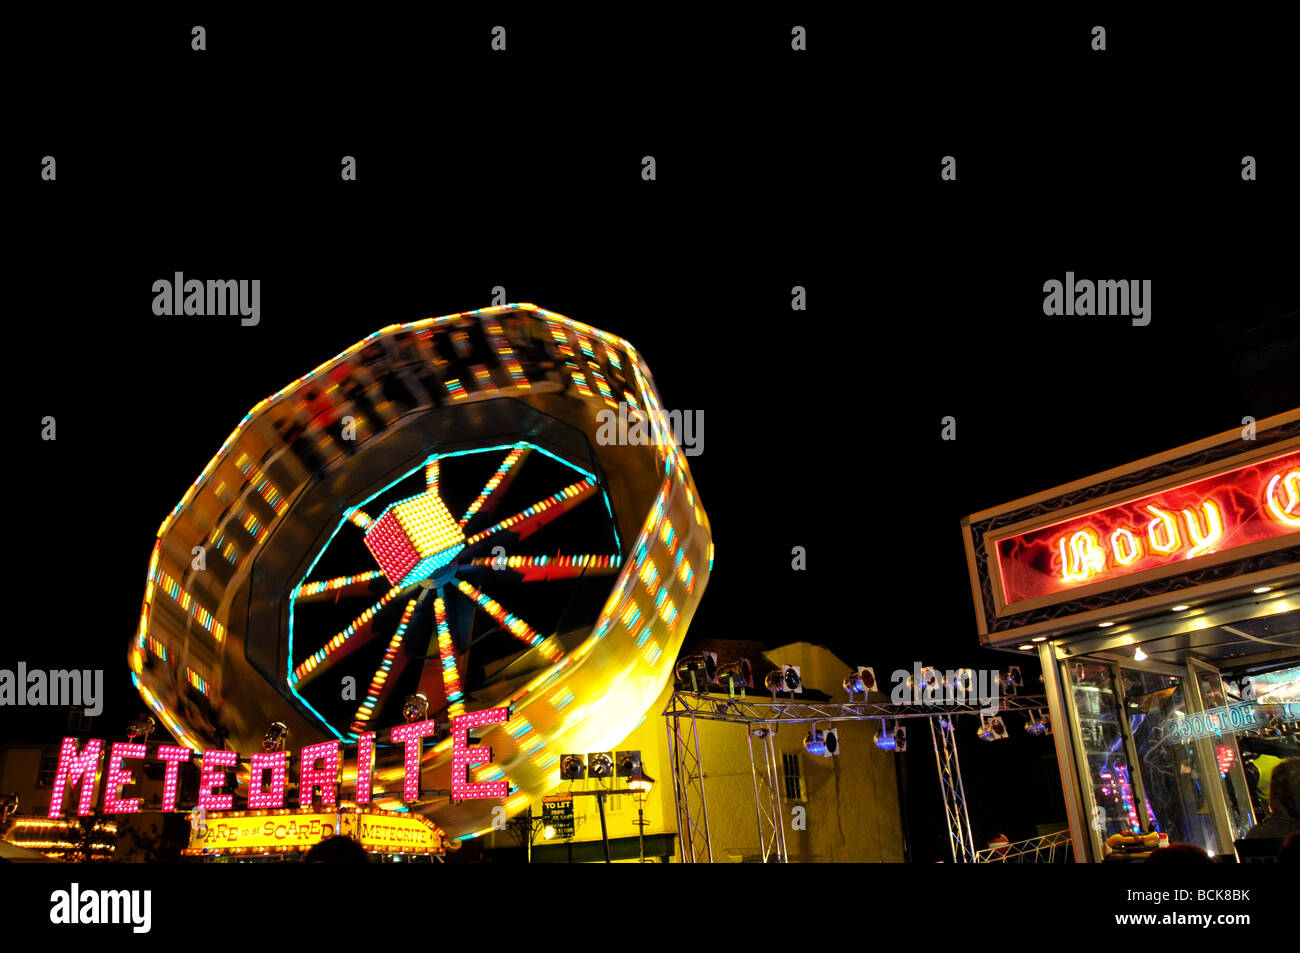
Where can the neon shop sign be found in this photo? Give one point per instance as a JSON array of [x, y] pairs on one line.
[[320, 770], [1247, 505], [1227, 720]]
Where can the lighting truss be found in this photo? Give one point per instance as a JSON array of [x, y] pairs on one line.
[[760, 719], [1047, 849]]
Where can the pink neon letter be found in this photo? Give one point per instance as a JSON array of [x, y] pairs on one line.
[[327, 775], [118, 777], [258, 765], [365, 766], [73, 769], [173, 755], [413, 734], [213, 775], [462, 756]]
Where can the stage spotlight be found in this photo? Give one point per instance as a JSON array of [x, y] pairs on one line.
[[992, 729], [548, 832], [1011, 680], [629, 764], [815, 743], [930, 679], [831, 738], [141, 727], [962, 683], [784, 678], [600, 765], [274, 736], [763, 731], [891, 739], [737, 674], [1039, 724], [698, 669], [415, 707], [572, 767], [861, 682]]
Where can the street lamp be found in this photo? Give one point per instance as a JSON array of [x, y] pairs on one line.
[[640, 787]]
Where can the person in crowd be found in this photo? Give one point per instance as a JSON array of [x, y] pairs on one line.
[[1179, 854], [339, 849], [1283, 801], [1290, 852]]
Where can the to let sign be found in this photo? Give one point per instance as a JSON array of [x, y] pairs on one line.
[[557, 812]]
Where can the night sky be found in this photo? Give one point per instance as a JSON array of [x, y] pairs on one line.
[[822, 428]]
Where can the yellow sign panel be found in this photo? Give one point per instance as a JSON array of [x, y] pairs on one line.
[[262, 830], [256, 831], [396, 832]]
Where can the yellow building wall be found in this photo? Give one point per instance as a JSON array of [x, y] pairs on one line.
[[850, 802]]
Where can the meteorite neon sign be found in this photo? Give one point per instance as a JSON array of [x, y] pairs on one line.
[[319, 773], [1215, 514]]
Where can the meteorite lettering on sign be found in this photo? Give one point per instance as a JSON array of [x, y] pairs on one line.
[[319, 773]]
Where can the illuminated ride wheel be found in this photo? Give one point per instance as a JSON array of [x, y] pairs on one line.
[[452, 506]]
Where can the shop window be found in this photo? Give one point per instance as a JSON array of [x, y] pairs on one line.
[[793, 777]]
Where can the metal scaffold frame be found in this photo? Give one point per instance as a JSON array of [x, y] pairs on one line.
[[760, 719], [688, 776], [943, 733]]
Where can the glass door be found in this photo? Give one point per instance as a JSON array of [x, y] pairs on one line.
[[1220, 760], [1111, 800]]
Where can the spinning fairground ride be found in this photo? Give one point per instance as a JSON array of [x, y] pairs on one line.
[[438, 510]]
